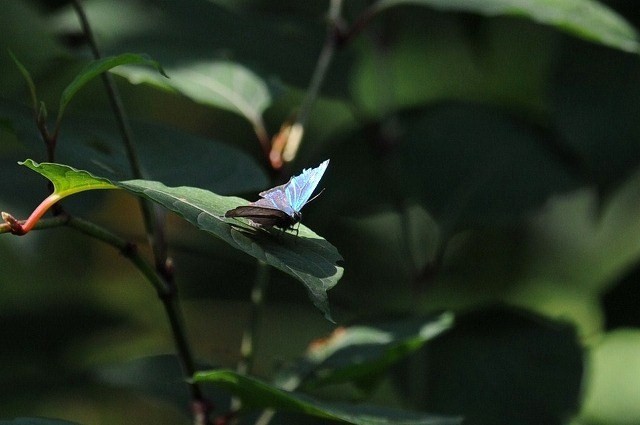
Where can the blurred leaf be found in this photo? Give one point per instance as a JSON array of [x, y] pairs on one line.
[[496, 61], [192, 31], [595, 93], [498, 366], [466, 164], [36, 421], [158, 376], [36, 48], [167, 154], [256, 394], [473, 165], [611, 391], [27, 76], [93, 143], [97, 67], [362, 353], [305, 256], [587, 19], [221, 84]]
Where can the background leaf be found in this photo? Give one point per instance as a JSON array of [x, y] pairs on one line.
[[257, 395], [612, 397], [222, 84], [588, 19], [97, 67], [362, 354]]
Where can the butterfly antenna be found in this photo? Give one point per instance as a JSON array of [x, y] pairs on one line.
[[319, 193]]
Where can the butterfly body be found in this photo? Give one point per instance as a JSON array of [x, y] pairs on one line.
[[280, 206]]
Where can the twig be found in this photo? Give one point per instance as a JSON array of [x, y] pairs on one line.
[[257, 302], [151, 222], [154, 230], [332, 40], [245, 364]]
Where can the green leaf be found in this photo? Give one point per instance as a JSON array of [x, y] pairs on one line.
[[610, 393], [97, 67], [221, 84], [476, 369], [362, 353], [159, 377], [587, 19], [305, 256], [67, 180], [256, 394], [93, 143], [27, 76], [36, 421]]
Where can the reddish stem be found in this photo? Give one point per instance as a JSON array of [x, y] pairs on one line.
[[22, 228]]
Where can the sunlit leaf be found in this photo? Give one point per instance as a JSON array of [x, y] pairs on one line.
[[221, 84], [305, 256], [67, 180], [611, 393]]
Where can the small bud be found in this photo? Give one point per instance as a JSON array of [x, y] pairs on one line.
[[16, 227]]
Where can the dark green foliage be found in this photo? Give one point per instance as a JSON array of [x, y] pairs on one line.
[[483, 153]]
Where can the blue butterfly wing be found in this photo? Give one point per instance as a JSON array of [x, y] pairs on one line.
[[275, 198], [293, 195], [300, 188]]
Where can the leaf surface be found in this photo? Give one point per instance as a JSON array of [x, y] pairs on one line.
[[305, 256], [221, 84], [587, 19], [97, 67], [256, 394]]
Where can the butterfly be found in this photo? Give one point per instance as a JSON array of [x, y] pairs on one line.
[[280, 206]]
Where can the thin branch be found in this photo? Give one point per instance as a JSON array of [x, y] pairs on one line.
[[155, 233], [126, 248], [324, 60], [114, 95], [151, 222], [360, 24], [257, 302], [245, 364], [45, 223]]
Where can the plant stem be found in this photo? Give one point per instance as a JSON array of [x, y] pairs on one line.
[[257, 302], [151, 222], [112, 92], [45, 223], [126, 248], [245, 364], [326, 55], [155, 234], [360, 24]]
